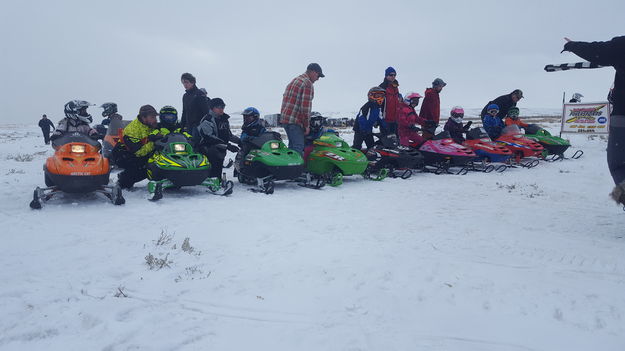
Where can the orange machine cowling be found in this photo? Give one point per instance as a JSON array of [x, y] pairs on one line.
[[66, 162]]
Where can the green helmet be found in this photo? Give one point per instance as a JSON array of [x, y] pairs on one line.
[[513, 112], [168, 116]]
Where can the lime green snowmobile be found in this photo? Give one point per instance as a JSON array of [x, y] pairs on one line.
[[554, 146], [174, 164], [332, 158], [265, 159]]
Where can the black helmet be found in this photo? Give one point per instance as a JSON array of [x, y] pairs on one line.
[[250, 115], [168, 116], [316, 121], [77, 110], [109, 108]]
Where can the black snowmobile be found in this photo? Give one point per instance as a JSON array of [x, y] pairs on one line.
[[399, 160]]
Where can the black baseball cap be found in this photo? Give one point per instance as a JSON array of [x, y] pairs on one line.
[[315, 67]]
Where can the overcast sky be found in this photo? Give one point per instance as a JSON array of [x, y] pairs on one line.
[[133, 52]]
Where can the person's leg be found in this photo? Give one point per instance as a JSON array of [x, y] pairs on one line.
[[391, 128], [616, 157], [134, 172], [369, 141], [295, 133], [358, 139], [46, 136], [216, 158]]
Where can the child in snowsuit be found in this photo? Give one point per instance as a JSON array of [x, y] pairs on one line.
[[454, 125], [492, 124], [252, 127], [168, 123], [77, 119], [408, 121], [371, 114], [513, 118], [316, 131]]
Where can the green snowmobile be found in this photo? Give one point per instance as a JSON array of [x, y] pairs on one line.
[[332, 158], [174, 164], [554, 146], [264, 159]]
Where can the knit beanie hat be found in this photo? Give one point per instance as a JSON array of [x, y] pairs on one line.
[[389, 70]]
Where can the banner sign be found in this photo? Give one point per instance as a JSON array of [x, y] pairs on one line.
[[586, 118]]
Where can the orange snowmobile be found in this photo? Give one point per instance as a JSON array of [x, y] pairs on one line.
[[76, 167]]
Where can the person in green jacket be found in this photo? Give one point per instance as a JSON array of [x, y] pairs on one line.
[[135, 148]]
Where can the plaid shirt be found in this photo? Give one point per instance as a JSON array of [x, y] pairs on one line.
[[297, 101]]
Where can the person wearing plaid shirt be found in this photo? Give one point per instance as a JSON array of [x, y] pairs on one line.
[[296, 106]]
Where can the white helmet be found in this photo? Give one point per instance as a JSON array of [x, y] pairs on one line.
[[77, 110]]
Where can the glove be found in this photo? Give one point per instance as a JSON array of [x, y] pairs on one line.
[[155, 137], [232, 148], [430, 124], [467, 126], [567, 47]]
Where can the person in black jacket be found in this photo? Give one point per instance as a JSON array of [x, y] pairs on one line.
[[212, 137], [194, 103], [45, 124], [610, 53], [217, 107], [504, 102]]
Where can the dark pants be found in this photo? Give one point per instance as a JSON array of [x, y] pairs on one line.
[[391, 128], [216, 155], [135, 170], [360, 137], [616, 148], [46, 135]]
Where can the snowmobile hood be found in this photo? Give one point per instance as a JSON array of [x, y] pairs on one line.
[[274, 153], [446, 147], [175, 153]]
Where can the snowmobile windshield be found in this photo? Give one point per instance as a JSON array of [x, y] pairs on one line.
[[477, 133], [389, 140], [75, 137], [512, 129], [442, 135], [115, 126], [260, 140], [175, 138], [532, 129]]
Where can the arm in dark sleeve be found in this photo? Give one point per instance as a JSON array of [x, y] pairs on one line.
[[605, 53], [133, 144]]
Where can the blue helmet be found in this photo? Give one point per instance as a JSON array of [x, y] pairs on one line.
[[250, 115], [251, 111], [492, 107]]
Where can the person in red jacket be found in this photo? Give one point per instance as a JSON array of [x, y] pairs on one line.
[[408, 121], [392, 102], [431, 108]]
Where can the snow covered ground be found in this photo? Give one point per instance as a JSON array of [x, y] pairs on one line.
[[530, 259]]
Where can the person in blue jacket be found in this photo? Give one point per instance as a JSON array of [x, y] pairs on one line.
[[493, 124], [252, 126], [370, 115]]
